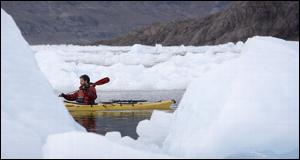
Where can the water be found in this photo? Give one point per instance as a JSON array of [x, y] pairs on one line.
[[102, 122], [149, 95], [125, 122]]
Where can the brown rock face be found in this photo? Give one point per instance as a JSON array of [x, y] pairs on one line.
[[237, 23]]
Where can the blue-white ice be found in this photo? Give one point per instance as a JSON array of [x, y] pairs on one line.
[[241, 100]]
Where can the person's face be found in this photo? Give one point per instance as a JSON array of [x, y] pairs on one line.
[[82, 81]]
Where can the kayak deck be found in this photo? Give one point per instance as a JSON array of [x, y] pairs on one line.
[[160, 105]]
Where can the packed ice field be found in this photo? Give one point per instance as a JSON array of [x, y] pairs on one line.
[[136, 67], [241, 99]]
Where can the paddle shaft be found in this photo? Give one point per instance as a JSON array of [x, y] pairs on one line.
[[99, 82]]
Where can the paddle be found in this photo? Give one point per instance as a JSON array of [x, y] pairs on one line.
[[99, 82]]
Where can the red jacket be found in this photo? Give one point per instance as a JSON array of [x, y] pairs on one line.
[[83, 96]]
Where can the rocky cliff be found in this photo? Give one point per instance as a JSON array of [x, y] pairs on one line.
[[79, 22], [238, 22]]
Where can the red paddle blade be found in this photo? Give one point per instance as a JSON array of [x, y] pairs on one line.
[[102, 81]]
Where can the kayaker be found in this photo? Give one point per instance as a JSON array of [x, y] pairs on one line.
[[86, 93]]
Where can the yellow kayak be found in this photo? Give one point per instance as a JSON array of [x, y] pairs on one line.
[[159, 105]]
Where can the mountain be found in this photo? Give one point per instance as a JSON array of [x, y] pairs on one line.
[[238, 22], [55, 22]]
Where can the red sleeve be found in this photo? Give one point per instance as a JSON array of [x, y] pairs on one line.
[[71, 97]]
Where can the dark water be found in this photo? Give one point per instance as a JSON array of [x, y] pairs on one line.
[[102, 122], [125, 122]]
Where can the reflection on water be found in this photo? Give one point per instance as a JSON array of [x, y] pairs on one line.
[[106, 121], [123, 121]]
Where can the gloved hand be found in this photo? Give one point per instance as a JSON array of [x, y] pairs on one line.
[[61, 95]]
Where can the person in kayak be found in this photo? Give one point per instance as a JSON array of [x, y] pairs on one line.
[[86, 93]]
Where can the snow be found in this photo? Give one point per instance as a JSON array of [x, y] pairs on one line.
[[34, 122], [136, 67], [91, 145], [30, 110], [155, 130], [241, 101], [246, 107]]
